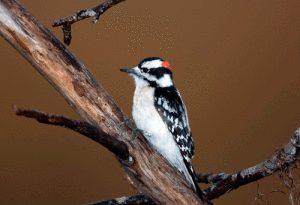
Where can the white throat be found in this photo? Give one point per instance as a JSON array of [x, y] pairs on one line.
[[140, 83]]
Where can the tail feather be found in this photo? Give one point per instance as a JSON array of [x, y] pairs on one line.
[[193, 178]]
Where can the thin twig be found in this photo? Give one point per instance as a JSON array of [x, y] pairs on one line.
[[119, 148], [94, 12]]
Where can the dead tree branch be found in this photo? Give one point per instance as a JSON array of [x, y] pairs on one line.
[[94, 12], [281, 160], [85, 95], [117, 147], [82, 14]]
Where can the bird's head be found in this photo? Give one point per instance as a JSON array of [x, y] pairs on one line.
[[154, 71]]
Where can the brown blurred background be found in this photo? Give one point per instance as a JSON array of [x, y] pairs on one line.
[[236, 64]]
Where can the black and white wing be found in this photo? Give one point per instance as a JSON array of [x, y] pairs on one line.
[[170, 107]]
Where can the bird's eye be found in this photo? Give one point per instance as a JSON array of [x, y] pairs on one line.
[[144, 70]]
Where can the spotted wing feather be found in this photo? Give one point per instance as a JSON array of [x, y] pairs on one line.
[[172, 110], [169, 105]]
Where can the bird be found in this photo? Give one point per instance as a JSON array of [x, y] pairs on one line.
[[159, 112]]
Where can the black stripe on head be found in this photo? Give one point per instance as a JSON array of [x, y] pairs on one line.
[[160, 72]]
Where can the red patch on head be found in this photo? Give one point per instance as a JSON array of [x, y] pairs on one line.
[[166, 65]]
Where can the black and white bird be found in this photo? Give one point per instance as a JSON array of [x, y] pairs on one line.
[[159, 111]]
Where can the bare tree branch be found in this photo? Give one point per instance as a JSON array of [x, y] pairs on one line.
[[281, 160], [94, 12], [160, 181], [82, 14], [117, 147]]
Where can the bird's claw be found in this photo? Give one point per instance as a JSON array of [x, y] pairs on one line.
[[131, 125]]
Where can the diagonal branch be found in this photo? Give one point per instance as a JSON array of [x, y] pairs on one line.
[[71, 78], [281, 160], [117, 147]]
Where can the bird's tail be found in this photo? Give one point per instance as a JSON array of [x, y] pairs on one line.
[[193, 177]]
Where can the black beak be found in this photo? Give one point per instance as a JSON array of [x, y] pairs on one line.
[[129, 70]]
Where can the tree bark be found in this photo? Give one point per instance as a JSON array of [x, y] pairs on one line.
[[150, 172]]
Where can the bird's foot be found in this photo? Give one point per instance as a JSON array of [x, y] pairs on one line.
[[135, 131]]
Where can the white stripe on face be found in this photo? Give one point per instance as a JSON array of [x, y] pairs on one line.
[[152, 64]]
